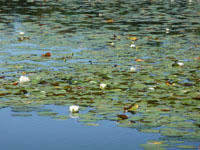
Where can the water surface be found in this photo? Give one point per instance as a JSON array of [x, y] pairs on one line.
[[94, 42]]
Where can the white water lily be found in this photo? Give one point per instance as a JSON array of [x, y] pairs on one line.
[[132, 69], [74, 109], [24, 79], [167, 30], [103, 86], [151, 88], [132, 45], [21, 33], [180, 64], [112, 43]]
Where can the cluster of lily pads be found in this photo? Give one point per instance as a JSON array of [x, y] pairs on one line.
[[157, 98], [139, 75]]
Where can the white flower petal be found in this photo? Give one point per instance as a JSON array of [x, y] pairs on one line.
[[132, 69], [151, 88], [132, 45], [24, 79], [180, 63], [21, 33], [103, 86], [74, 109]]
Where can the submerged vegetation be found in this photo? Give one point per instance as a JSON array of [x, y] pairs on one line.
[[138, 67]]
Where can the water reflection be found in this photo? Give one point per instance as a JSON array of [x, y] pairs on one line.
[[43, 133], [74, 116]]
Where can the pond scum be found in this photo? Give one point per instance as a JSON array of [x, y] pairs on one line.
[[149, 82]]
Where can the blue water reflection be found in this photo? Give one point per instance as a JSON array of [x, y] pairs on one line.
[[44, 133]]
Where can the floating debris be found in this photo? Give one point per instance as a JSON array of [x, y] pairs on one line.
[[48, 54]]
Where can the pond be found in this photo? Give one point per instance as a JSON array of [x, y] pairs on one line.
[[132, 67]]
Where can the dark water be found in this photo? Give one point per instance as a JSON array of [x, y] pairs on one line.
[[63, 27]]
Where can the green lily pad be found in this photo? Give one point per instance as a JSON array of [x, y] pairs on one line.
[[152, 146], [91, 124], [60, 117], [47, 113], [186, 147], [149, 130], [21, 115]]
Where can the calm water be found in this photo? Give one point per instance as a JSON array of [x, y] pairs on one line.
[[35, 133], [63, 27]]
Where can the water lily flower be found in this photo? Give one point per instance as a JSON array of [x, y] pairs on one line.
[[167, 30], [132, 45], [24, 79], [180, 64], [112, 43], [151, 88], [103, 86], [74, 109], [176, 64], [21, 33], [132, 69]]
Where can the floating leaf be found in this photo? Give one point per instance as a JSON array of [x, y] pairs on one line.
[[152, 146], [122, 116], [155, 142], [130, 108], [186, 147], [149, 130], [47, 113], [23, 38], [21, 115], [139, 60], [197, 58], [91, 124], [48, 54], [133, 38], [55, 84], [110, 21], [68, 88], [15, 83], [60, 117]]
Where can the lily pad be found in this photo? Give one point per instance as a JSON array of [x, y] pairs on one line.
[[91, 124], [47, 113], [21, 115], [186, 147]]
